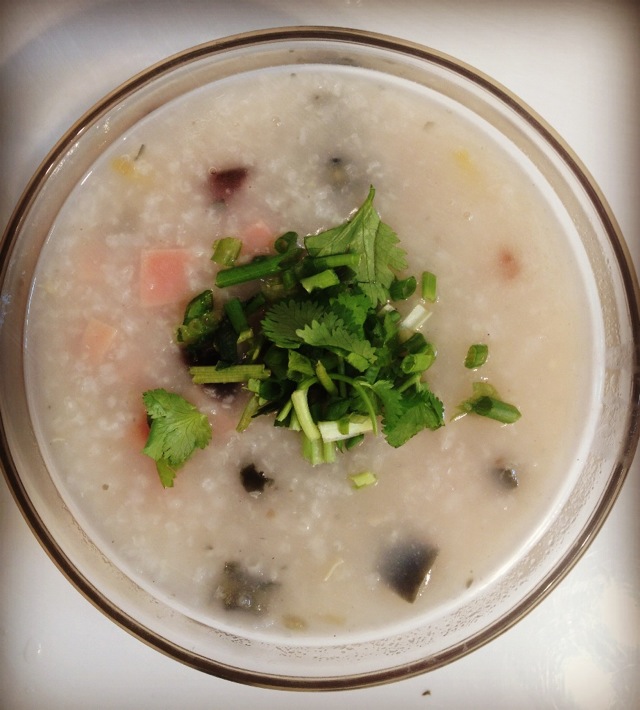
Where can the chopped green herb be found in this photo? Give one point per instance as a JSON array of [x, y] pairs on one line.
[[486, 402], [286, 242], [250, 410], [319, 345], [226, 251], [401, 289], [363, 479], [338, 430], [429, 286], [324, 279], [235, 311], [496, 409], [256, 269], [177, 429], [366, 235], [199, 321], [416, 318], [476, 356]]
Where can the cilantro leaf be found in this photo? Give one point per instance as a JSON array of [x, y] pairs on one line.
[[353, 309], [330, 332], [283, 320], [177, 429], [391, 400], [419, 409], [374, 241]]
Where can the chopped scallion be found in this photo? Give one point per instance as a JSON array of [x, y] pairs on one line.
[[401, 289], [324, 279], [235, 311], [289, 279], [333, 261], [328, 451], [286, 242], [226, 251], [429, 286], [363, 479], [496, 409], [254, 304], [416, 318], [476, 356], [418, 362], [256, 269]]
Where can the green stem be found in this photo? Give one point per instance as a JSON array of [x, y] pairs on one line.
[[301, 407], [210, 374], [496, 409], [325, 379], [368, 404], [250, 409], [325, 279], [333, 261], [256, 269]]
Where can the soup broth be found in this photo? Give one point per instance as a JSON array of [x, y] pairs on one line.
[[132, 246]]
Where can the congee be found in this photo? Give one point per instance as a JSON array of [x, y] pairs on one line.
[[391, 275]]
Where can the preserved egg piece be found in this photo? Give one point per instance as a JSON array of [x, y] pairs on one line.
[[222, 391], [507, 476], [224, 183], [254, 481], [406, 567], [239, 589]]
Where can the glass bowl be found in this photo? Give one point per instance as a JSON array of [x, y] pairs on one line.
[[610, 430]]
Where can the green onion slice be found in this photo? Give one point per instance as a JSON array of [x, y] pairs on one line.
[[476, 356], [493, 408], [429, 286], [226, 251], [363, 479]]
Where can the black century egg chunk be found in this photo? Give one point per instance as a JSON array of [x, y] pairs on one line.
[[406, 566]]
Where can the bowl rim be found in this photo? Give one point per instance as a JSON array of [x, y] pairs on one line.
[[334, 34]]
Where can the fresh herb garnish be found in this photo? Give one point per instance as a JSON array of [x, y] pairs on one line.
[[429, 286], [366, 235], [364, 479], [177, 429], [477, 355], [486, 402], [321, 345], [226, 250]]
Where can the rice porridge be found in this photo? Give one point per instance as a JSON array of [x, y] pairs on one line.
[[309, 550]]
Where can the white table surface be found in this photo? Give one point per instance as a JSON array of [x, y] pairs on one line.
[[576, 63]]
